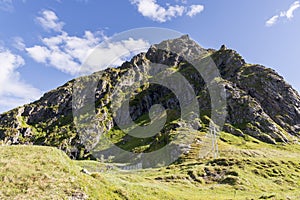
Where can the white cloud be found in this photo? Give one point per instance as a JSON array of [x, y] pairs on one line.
[[49, 21], [113, 54], [18, 43], [13, 91], [39, 53], [289, 14], [68, 53], [156, 12], [64, 52], [149, 8], [272, 20], [6, 5], [194, 10]]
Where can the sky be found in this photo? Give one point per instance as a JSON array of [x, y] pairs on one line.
[[45, 43]]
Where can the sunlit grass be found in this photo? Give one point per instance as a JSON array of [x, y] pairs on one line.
[[246, 169]]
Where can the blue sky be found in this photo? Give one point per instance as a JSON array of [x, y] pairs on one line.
[[43, 43]]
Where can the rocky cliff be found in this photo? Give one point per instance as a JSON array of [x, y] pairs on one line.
[[259, 103]]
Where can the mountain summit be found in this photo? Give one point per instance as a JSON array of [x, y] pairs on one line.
[[259, 104]]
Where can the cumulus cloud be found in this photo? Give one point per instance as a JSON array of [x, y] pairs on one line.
[[194, 10], [13, 91], [39, 53], [49, 21], [68, 53], [156, 12], [6, 5], [113, 54], [64, 52], [289, 14]]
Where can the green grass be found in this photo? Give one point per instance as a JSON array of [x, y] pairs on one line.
[[246, 169]]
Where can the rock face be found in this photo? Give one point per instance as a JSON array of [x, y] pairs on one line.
[[259, 102]]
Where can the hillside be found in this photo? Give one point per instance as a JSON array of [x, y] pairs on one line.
[[245, 170], [259, 103], [161, 114]]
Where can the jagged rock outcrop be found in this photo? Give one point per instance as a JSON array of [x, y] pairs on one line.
[[259, 102]]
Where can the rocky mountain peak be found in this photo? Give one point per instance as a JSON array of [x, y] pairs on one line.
[[181, 46]]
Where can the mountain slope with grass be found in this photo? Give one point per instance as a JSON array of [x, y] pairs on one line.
[[259, 102], [258, 141], [245, 170]]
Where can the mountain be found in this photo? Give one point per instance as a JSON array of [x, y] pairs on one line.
[[202, 122], [257, 103]]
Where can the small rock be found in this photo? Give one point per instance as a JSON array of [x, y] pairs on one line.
[[85, 171], [223, 48]]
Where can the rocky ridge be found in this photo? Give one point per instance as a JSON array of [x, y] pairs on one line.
[[259, 103]]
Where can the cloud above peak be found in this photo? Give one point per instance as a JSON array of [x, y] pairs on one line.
[[69, 53], [194, 10], [64, 52], [49, 21], [152, 10], [289, 14]]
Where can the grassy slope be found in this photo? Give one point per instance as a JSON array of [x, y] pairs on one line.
[[246, 169]]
